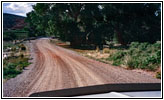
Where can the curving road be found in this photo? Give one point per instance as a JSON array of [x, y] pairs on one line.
[[56, 68]]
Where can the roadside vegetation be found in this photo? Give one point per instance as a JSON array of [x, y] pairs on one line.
[[137, 55], [16, 58], [91, 29], [15, 53], [11, 35], [14, 66]]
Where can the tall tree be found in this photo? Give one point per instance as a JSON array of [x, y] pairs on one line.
[[134, 22], [84, 23]]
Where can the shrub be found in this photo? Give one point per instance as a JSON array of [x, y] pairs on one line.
[[23, 64], [12, 54], [117, 57], [134, 44], [129, 62], [22, 47], [143, 46], [106, 50], [158, 75], [13, 48], [139, 55], [10, 71], [21, 55]]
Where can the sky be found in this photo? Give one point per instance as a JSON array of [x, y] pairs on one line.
[[17, 8]]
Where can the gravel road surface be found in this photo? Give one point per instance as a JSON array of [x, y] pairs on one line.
[[54, 68]]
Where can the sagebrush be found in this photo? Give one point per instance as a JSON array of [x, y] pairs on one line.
[[139, 55]]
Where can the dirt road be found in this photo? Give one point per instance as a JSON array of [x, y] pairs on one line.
[[56, 68]]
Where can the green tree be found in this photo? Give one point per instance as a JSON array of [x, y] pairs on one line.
[[85, 24], [134, 22]]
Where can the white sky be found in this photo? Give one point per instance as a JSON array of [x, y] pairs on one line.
[[17, 8]]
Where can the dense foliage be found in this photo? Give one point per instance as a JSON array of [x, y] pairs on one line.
[[139, 55], [84, 23], [9, 35]]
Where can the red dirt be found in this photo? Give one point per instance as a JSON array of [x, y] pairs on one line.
[[56, 68]]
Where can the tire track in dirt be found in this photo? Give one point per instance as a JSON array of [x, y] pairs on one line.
[[57, 68], [92, 77], [110, 74]]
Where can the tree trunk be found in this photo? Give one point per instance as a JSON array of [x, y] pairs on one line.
[[75, 42], [119, 36]]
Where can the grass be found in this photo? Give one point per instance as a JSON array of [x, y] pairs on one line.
[[100, 60]]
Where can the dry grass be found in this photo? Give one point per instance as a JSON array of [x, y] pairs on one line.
[[106, 50], [93, 54], [103, 55]]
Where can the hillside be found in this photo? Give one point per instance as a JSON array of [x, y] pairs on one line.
[[11, 21]]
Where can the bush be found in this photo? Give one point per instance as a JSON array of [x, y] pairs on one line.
[[129, 62], [134, 44], [10, 71], [117, 57], [106, 50], [139, 55], [22, 47], [23, 64], [158, 75], [21, 55], [13, 48]]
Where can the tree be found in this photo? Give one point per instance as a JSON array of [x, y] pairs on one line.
[[85, 24], [134, 22]]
